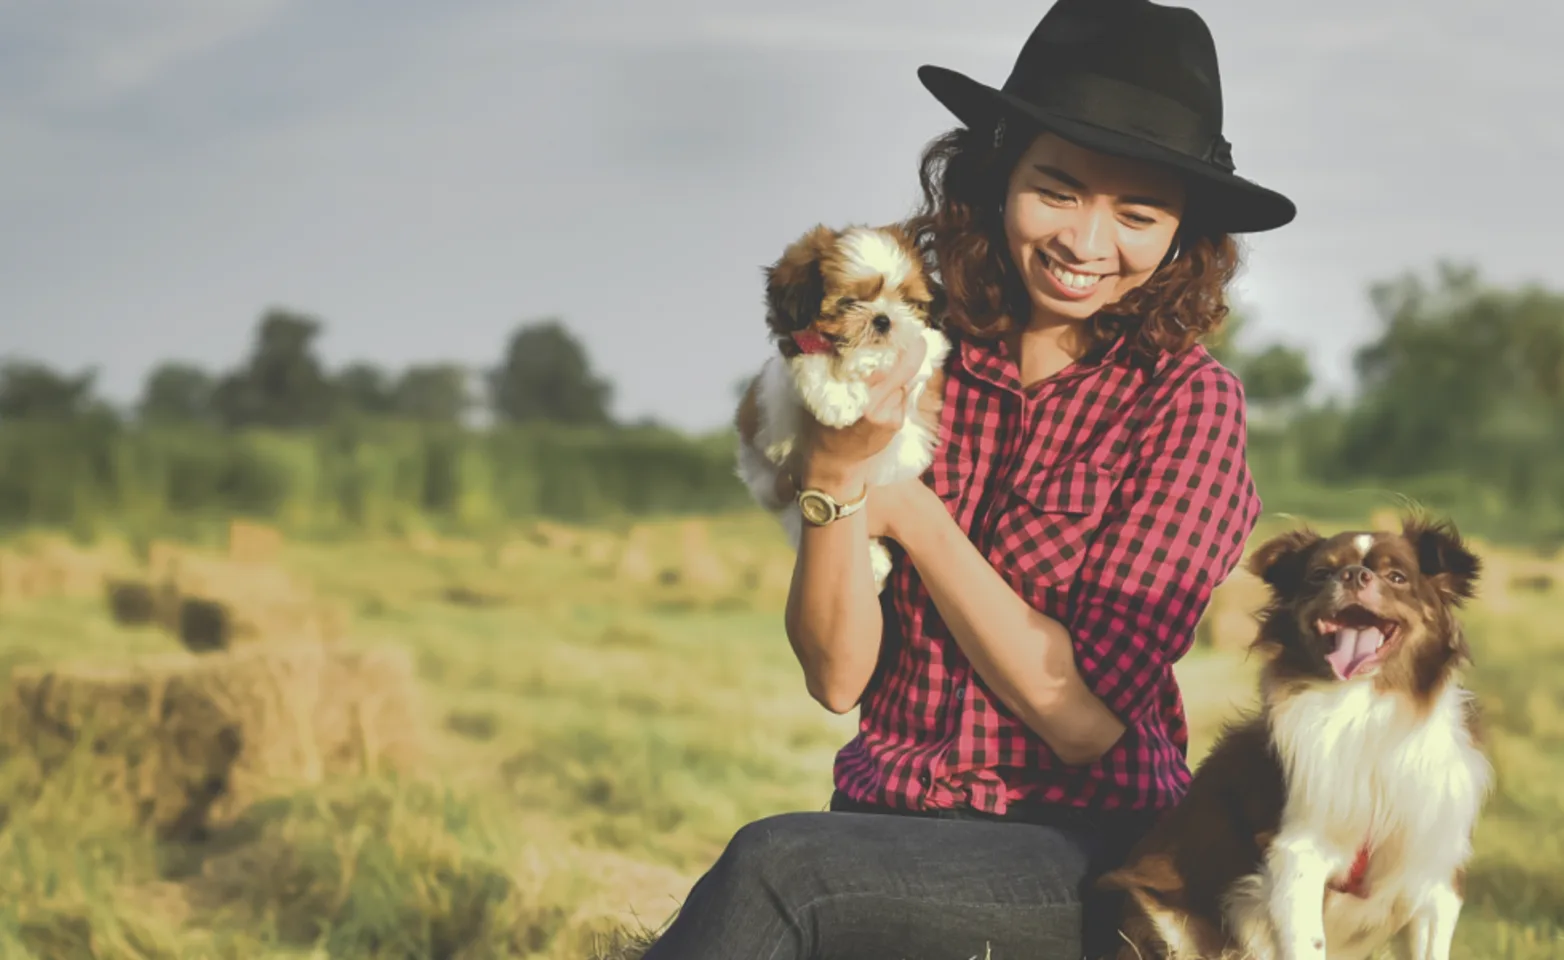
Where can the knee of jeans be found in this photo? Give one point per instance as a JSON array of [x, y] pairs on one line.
[[769, 850]]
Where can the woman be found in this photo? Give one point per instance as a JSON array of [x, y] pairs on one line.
[[1020, 723]]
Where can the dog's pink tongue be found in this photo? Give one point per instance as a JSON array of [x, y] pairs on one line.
[[1354, 646]]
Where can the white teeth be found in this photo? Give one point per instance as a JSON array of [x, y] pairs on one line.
[[1071, 279]]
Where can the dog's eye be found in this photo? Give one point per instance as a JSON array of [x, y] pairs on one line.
[[1396, 576], [846, 303], [1319, 574]]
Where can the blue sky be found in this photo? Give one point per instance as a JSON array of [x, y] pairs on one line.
[[427, 177]]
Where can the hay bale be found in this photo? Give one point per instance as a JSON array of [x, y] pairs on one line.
[[700, 563], [636, 564], [205, 625], [19, 577], [599, 551], [133, 603], [186, 743], [555, 536], [211, 603], [1230, 621], [250, 542]]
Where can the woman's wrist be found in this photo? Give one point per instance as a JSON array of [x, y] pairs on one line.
[[843, 482], [921, 526]]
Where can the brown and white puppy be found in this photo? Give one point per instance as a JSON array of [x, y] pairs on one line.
[[1341, 816], [841, 305]]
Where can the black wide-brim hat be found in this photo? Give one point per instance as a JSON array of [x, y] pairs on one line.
[[1129, 78]]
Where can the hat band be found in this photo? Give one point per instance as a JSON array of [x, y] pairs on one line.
[[1115, 105]]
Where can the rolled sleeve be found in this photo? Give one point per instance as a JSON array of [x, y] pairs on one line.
[[1176, 530]]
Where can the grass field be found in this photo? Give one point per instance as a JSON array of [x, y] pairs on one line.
[[597, 732]]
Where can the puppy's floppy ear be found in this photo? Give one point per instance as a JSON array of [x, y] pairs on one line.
[[795, 284], [1443, 557], [938, 303], [1282, 560]]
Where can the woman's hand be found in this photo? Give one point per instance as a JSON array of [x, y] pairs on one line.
[[832, 458]]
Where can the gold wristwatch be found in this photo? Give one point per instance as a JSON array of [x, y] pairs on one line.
[[820, 508]]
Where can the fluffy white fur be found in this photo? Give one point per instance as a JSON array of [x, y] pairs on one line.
[[1363, 765], [832, 388]]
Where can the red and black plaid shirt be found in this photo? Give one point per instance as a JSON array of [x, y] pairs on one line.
[[1113, 498]]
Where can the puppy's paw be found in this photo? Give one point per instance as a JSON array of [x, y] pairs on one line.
[[879, 562]]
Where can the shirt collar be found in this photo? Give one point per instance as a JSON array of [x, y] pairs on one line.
[[988, 359]]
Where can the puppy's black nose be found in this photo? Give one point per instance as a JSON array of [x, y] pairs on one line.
[[882, 324], [1356, 576]]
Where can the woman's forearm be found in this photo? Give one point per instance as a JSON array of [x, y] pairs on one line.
[[1024, 656], [833, 617]]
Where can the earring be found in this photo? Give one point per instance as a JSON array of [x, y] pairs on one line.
[[999, 133]]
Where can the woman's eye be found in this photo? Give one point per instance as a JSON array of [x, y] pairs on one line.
[[1054, 195], [1138, 220]]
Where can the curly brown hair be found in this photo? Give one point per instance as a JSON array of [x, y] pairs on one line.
[[958, 227]]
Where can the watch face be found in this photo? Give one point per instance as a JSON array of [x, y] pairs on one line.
[[815, 509]]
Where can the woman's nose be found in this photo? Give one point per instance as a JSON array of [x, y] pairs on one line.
[[1089, 236]]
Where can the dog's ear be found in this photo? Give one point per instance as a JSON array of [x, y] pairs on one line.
[[938, 302], [1444, 558], [1282, 560], [795, 284], [1458, 645]]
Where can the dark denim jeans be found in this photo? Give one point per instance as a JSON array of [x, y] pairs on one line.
[[856, 884]]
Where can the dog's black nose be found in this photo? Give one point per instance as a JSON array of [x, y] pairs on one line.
[[1356, 576], [882, 323]]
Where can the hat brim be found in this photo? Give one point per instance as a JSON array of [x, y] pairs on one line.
[[1229, 202]]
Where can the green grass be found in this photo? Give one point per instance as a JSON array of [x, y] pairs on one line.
[[595, 745]]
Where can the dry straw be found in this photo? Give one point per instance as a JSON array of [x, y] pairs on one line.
[[186, 742]]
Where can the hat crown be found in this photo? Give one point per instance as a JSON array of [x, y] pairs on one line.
[[1131, 65], [1128, 78]]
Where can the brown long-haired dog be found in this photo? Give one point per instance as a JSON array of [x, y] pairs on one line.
[[1341, 815]]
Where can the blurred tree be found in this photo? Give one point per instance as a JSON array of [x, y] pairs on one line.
[[1278, 375], [1464, 378], [365, 388], [435, 392], [283, 383], [176, 392], [546, 376], [33, 391]]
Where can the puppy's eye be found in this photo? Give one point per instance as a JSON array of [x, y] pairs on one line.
[[846, 303], [1396, 577], [1319, 574]]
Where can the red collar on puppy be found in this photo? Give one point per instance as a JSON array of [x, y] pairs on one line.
[[811, 341], [1354, 885]]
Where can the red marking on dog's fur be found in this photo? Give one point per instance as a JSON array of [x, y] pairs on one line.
[[1354, 885]]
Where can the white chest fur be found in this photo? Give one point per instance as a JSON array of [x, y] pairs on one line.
[[1364, 767]]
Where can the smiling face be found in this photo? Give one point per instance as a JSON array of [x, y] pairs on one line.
[[1366, 604], [1084, 228]]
